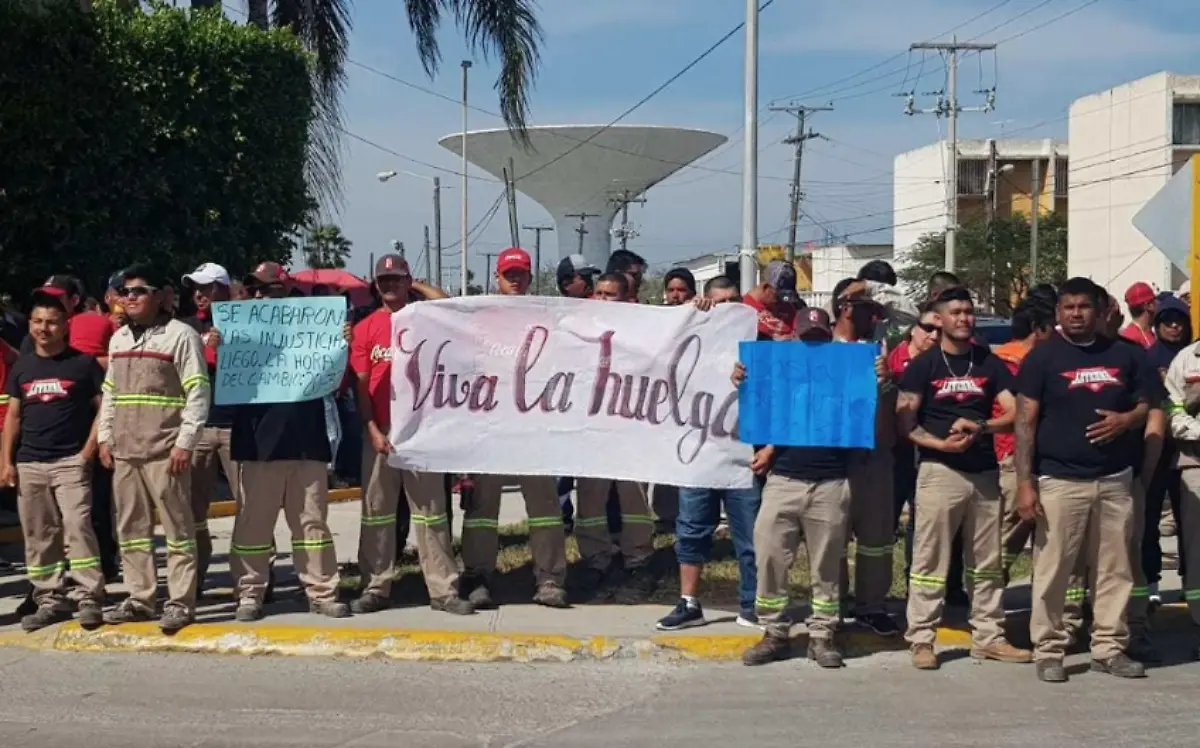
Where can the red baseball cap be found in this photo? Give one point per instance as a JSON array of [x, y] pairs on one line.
[[267, 273], [513, 258], [1139, 294]]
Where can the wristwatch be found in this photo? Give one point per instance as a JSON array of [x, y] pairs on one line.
[[983, 424]]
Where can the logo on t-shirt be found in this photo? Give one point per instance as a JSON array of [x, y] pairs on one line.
[[45, 390], [1095, 378], [380, 353], [959, 388]]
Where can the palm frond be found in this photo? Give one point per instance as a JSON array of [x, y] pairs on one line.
[[424, 17]]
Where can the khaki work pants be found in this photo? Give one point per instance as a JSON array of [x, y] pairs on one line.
[[1092, 519], [871, 508], [209, 457], [1189, 537], [591, 523], [547, 542], [55, 504], [301, 489], [820, 511], [140, 488], [948, 499]]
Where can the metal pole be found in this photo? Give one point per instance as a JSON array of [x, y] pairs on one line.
[[462, 291], [436, 255], [510, 187], [425, 252], [794, 214], [747, 253], [1035, 210], [488, 258], [952, 181], [537, 255]]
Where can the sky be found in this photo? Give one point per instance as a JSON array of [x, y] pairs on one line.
[[599, 58]]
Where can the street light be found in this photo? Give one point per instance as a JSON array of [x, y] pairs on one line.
[[435, 268]]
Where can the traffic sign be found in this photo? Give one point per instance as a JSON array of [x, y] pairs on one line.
[[1171, 221]]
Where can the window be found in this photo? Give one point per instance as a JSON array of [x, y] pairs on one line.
[[1060, 177], [1187, 123], [972, 177]]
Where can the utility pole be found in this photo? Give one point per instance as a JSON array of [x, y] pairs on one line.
[[950, 109], [748, 251], [488, 256], [1034, 210], [582, 230], [466, 65], [510, 191], [798, 140], [426, 253], [435, 268], [624, 233], [537, 255]]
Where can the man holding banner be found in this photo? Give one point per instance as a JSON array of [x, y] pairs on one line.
[[383, 484]]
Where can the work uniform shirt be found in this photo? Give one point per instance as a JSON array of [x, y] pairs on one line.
[[951, 387], [57, 396], [1070, 383], [371, 354]]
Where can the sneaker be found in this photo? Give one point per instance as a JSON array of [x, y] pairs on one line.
[[1002, 651], [46, 615], [551, 595], [1141, 648], [881, 623], [684, 616], [128, 612], [369, 602], [248, 611], [1051, 671], [638, 586], [453, 604], [825, 653], [329, 609], [174, 618], [1119, 665], [924, 658], [91, 615], [748, 619], [770, 648]]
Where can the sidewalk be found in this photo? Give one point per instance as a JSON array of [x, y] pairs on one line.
[[411, 631]]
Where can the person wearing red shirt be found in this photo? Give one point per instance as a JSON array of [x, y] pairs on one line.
[[371, 360], [776, 302], [1143, 305]]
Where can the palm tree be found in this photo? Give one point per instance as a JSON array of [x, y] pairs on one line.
[[507, 29], [325, 246]]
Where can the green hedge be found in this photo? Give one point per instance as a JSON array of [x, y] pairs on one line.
[[167, 136]]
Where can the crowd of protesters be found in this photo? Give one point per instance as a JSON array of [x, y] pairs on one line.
[[1070, 437]]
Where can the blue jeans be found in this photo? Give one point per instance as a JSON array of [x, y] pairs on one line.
[[699, 515]]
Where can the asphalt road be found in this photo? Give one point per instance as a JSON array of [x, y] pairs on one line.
[[54, 700]]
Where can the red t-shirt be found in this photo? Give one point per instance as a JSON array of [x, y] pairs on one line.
[[780, 320], [371, 354], [898, 360], [1135, 334], [90, 333]]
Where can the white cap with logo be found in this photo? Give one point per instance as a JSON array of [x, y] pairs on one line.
[[209, 272]]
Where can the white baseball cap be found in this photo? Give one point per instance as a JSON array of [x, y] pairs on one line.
[[209, 272]]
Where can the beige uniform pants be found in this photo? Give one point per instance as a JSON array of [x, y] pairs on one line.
[[1092, 519], [140, 488], [818, 510], [301, 489], [948, 499], [547, 543], [871, 508], [55, 504], [591, 523], [1189, 536], [209, 457]]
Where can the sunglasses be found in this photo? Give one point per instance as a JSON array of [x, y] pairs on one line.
[[928, 327], [130, 292]]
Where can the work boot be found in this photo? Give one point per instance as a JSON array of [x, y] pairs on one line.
[[453, 604], [329, 608], [1141, 648], [128, 612], [881, 623], [1051, 671], [248, 611], [1002, 651], [369, 602], [91, 615], [771, 648], [46, 615], [636, 588], [824, 652], [1119, 665], [478, 593], [924, 658], [551, 595], [174, 618]]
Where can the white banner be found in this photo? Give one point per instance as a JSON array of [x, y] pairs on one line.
[[569, 387]]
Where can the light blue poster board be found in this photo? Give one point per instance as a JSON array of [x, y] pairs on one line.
[[279, 350], [800, 394]]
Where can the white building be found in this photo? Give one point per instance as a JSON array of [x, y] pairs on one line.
[[706, 267], [1126, 144], [837, 261], [919, 180]]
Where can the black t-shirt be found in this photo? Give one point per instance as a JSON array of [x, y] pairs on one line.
[[280, 431], [1071, 383], [953, 387], [56, 396], [811, 463]]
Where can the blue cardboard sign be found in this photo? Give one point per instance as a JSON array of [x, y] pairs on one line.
[[799, 394], [279, 350]]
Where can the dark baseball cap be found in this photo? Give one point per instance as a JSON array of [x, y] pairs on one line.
[[812, 323], [782, 275], [392, 266], [576, 264], [68, 283]]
